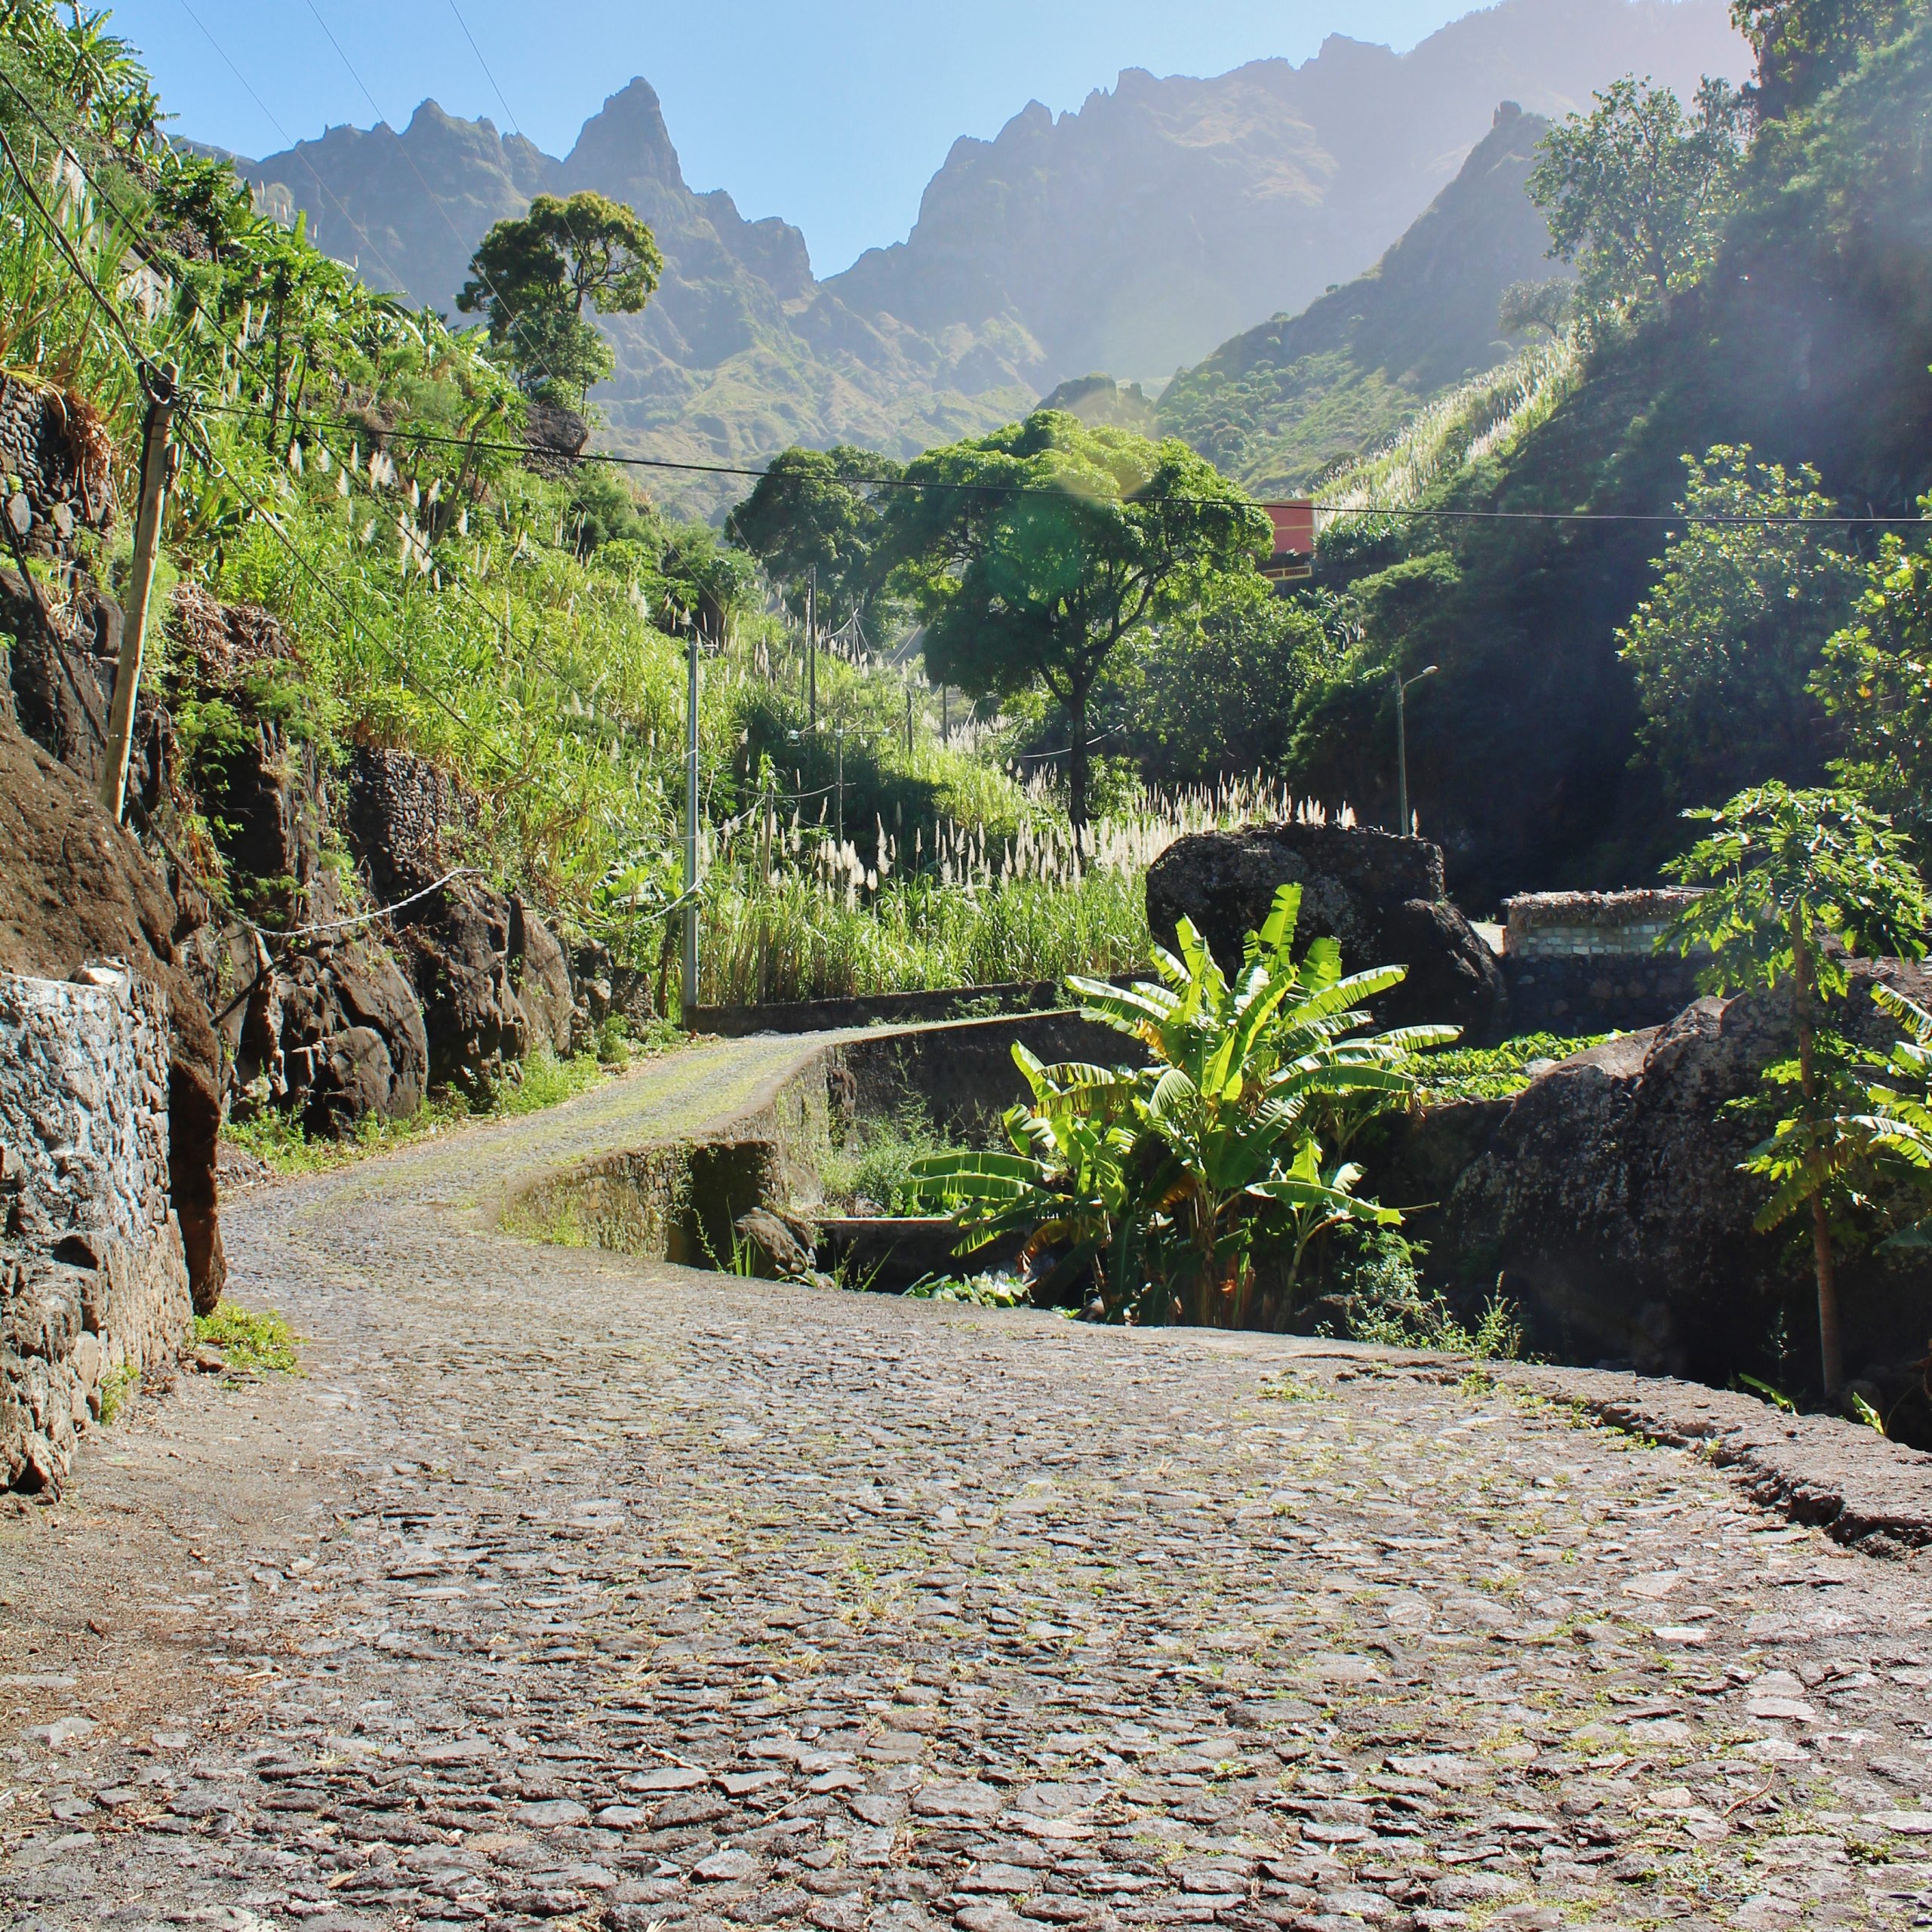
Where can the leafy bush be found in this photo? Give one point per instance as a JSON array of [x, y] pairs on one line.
[[1494, 1073]]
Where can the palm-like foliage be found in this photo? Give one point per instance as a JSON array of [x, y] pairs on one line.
[[1899, 1123], [1225, 1140], [1065, 1185]]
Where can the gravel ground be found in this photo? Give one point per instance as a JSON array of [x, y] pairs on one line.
[[571, 1588]]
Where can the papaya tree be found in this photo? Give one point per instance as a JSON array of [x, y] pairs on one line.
[[1793, 882]]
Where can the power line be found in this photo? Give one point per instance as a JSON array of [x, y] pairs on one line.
[[613, 457]]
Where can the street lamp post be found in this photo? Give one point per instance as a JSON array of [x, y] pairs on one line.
[[1402, 744]]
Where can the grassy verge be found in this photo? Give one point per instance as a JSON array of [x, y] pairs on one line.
[[254, 1341]]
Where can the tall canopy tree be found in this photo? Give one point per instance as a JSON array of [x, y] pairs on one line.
[[1725, 647], [816, 510], [532, 278], [1032, 554], [1636, 190], [1803, 46], [1876, 682]]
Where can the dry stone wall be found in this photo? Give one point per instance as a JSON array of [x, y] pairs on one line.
[[93, 1280]]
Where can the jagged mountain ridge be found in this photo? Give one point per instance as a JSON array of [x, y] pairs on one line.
[[1221, 201], [1279, 404], [1037, 256]]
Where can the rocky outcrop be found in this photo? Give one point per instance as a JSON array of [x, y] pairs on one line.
[[1609, 1201], [1380, 897], [74, 887]]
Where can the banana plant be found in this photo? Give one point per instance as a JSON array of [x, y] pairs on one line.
[[1160, 1181], [1899, 1125], [1064, 1185]]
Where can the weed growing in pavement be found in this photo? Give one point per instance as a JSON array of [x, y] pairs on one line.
[[1428, 1323], [116, 1385], [253, 1342], [1291, 1387]]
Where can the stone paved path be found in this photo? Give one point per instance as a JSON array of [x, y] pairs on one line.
[[565, 1588]]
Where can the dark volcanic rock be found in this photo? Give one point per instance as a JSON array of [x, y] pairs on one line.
[[542, 975], [1609, 1200], [457, 942], [75, 887], [330, 1037], [1379, 897]]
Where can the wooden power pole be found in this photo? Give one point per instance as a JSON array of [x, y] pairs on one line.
[[157, 468]]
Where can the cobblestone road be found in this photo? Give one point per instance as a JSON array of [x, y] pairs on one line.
[[565, 1588]]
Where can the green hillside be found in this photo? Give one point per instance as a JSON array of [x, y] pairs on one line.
[[1808, 338], [1290, 401]]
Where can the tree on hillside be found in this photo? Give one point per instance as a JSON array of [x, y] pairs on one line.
[[1803, 46], [812, 510], [1636, 192], [1876, 682], [1032, 553], [1724, 649], [532, 278], [1793, 881], [1215, 696]]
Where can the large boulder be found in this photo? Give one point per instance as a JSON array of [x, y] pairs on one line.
[[1379, 897], [1610, 1202], [75, 888]]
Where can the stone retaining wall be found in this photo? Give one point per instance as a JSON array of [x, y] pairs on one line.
[[94, 1281], [1589, 925]]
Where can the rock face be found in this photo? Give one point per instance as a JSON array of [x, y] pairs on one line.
[[1131, 235], [1608, 1200], [1380, 897], [74, 888]]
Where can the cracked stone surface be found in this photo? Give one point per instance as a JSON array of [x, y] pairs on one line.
[[567, 1588]]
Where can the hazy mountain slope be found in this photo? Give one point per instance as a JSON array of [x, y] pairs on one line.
[[1809, 340], [1160, 219], [1279, 404], [1134, 234]]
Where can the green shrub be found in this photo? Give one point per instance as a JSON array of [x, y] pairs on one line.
[[254, 1341], [1494, 1073]]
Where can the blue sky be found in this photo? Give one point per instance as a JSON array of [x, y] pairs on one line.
[[832, 113]]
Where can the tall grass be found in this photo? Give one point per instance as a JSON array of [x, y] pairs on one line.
[[834, 920], [1477, 421]]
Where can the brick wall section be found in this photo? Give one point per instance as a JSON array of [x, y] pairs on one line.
[[94, 1283], [1588, 925]]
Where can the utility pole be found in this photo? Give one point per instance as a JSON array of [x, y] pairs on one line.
[[1402, 745], [908, 717], [689, 1004], [841, 785], [811, 650], [767, 810], [157, 460]]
